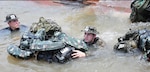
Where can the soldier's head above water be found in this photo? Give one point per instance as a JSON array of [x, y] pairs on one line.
[[12, 21], [91, 41], [90, 34]]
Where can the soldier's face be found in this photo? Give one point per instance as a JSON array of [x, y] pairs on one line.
[[89, 37], [14, 24]]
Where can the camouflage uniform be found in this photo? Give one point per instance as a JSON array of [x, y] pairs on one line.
[[135, 39], [44, 37]]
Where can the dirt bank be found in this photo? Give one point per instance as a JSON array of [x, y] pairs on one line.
[[123, 6], [47, 2]]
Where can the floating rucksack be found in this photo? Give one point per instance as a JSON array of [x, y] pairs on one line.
[[47, 24], [140, 11]]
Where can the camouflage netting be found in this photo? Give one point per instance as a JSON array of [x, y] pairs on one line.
[[47, 24]]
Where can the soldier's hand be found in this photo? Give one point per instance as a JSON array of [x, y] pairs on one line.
[[78, 54]]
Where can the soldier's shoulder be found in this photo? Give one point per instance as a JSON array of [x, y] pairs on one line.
[[5, 31], [100, 42], [7, 28]]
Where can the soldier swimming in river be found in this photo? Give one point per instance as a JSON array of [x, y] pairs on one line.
[[46, 41]]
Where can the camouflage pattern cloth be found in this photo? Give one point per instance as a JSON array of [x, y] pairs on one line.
[[96, 44], [46, 45], [89, 29], [18, 53], [71, 41], [60, 41], [34, 41], [135, 39], [126, 46], [47, 24], [129, 41], [140, 11], [146, 56]]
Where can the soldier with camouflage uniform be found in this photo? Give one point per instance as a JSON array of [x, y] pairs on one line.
[[92, 42], [46, 41]]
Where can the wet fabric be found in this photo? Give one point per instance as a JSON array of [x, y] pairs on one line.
[[47, 24], [96, 44], [37, 44], [94, 47], [140, 11], [134, 39], [7, 31]]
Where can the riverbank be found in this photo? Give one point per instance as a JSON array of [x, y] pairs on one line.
[[123, 6]]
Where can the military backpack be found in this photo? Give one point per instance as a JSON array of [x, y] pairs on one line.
[[140, 11]]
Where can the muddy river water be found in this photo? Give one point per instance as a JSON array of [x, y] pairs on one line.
[[111, 23]]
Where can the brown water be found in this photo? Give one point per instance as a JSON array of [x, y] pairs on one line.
[[110, 23]]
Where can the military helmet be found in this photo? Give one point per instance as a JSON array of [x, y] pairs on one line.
[[11, 17], [47, 24], [89, 29]]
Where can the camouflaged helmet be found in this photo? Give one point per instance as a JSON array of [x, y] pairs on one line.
[[89, 29], [47, 24]]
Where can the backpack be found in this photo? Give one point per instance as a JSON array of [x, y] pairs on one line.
[[47, 24], [140, 11]]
